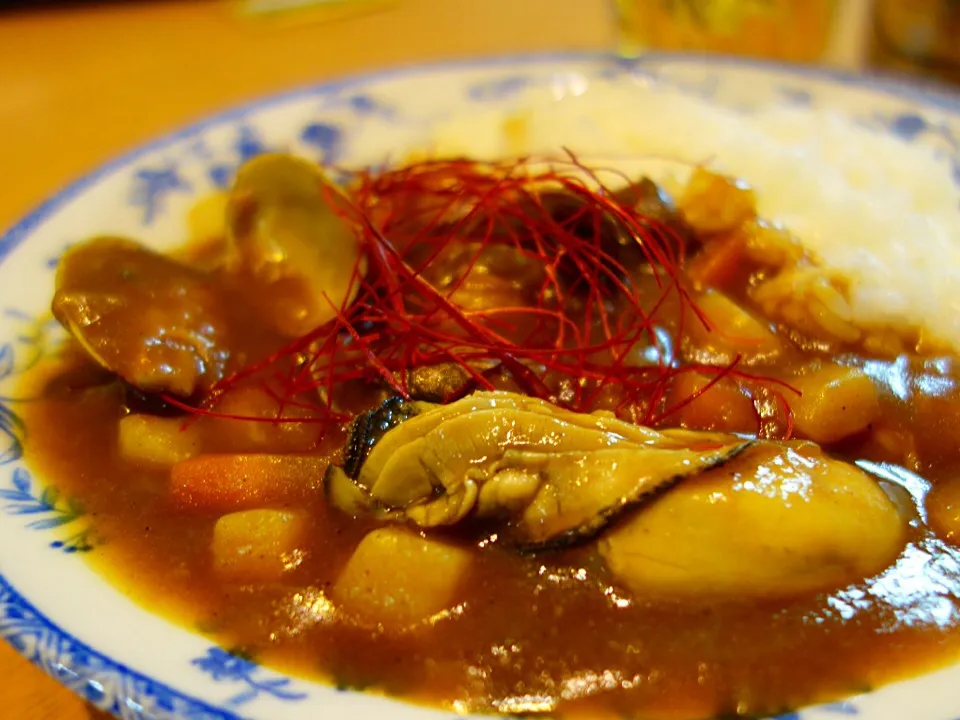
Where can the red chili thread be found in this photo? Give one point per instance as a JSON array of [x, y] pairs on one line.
[[585, 323]]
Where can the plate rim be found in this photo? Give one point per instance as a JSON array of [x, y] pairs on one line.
[[941, 98], [68, 643]]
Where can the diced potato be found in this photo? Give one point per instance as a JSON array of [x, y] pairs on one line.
[[773, 522], [259, 545], [250, 436], [733, 331], [713, 203], [837, 402], [224, 483], [151, 440], [396, 578], [723, 407]]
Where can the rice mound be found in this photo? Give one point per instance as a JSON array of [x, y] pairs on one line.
[[882, 212]]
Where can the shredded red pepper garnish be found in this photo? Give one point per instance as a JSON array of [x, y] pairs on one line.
[[587, 340]]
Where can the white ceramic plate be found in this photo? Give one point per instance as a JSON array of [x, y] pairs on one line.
[[67, 619]]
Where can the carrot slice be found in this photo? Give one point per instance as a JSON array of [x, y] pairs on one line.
[[227, 483]]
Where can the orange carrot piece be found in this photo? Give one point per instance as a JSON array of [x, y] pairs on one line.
[[227, 483]]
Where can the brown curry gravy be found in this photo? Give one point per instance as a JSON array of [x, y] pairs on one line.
[[546, 633], [531, 630]]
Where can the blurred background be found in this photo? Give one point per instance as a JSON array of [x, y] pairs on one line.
[[92, 78], [913, 37], [82, 81]]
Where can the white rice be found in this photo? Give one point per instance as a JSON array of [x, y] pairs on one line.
[[883, 212]]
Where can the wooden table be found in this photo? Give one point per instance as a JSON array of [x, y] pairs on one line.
[[81, 84]]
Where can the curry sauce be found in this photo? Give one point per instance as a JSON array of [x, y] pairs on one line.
[[553, 629]]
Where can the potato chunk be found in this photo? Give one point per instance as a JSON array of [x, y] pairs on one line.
[[776, 521], [396, 578], [836, 402], [733, 333], [259, 545], [150, 440]]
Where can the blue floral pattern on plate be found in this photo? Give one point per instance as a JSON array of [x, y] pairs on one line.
[[185, 678], [106, 684], [11, 426], [226, 666], [248, 144], [152, 185], [50, 509]]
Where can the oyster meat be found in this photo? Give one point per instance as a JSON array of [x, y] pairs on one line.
[[781, 519], [552, 476]]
